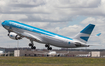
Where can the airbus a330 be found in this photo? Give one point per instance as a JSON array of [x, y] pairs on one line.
[[17, 31]]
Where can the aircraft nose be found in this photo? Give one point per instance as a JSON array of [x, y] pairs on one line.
[[2, 23]]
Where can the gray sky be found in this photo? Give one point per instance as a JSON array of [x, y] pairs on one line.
[[65, 17]]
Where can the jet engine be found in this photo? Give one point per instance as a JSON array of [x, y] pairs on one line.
[[14, 36]]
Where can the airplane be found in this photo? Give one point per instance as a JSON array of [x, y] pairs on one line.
[[98, 34], [52, 53], [17, 31]]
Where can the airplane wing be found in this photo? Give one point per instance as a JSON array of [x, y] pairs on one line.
[[31, 36], [28, 35]]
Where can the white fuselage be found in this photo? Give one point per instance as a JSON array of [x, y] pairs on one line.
[[46, 37]]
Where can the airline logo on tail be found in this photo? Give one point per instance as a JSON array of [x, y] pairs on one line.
[[84, 35]]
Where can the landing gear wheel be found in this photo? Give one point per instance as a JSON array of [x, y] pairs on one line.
[[46, 45], [33, 47], [30, 44], [49, 48]]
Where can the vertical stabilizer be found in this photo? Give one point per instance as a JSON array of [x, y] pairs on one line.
[[84, 35]]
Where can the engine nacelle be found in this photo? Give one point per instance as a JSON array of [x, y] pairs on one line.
[[14, 36]]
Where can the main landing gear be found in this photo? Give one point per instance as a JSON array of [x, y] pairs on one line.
[[32, 45], [48, 47]]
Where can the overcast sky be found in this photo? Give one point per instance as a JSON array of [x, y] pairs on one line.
[[65, 17]]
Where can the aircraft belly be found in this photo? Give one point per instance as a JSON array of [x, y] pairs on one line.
[[59, 43]]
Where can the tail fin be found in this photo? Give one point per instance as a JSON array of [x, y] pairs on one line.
[[84, 35]]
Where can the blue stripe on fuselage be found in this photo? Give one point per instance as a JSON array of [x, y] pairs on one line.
[[33, 29]]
